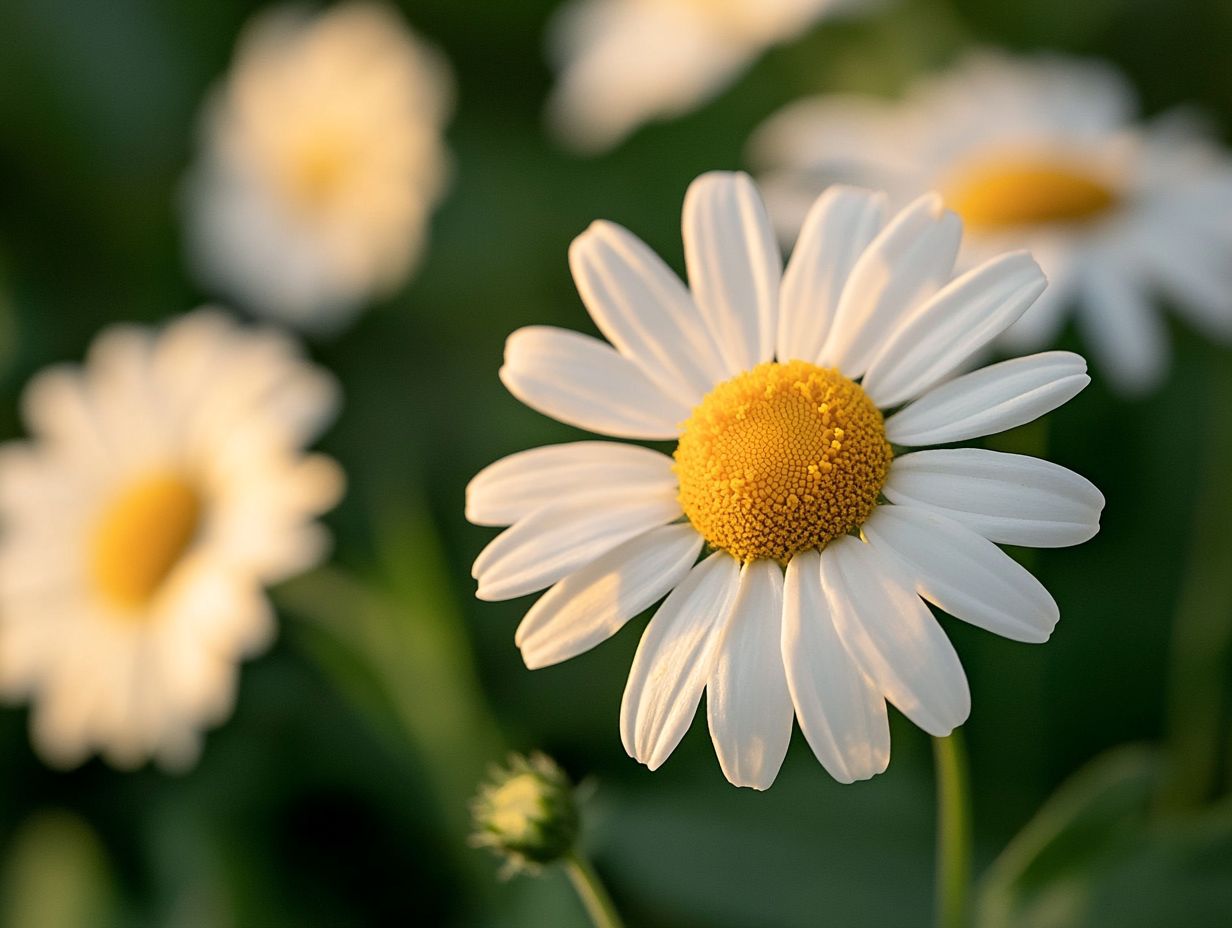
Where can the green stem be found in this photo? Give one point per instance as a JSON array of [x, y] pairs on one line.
[[1202, 625], [953, 832], [590, 888]]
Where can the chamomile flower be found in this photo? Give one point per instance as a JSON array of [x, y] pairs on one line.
[[625, 62], [322, 160], [796, 400], [163, 487], [1040, 153]]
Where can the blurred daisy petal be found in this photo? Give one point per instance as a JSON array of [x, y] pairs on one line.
[[1127, 335]]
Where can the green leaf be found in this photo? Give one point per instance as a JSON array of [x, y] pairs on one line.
[[1096, 855]]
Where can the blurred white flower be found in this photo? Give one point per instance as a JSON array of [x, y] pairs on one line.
[[625, 62], [1039, 153], [782, 458], [322, 159], [163, 487]]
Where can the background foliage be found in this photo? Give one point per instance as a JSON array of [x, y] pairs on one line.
[[335, 795]]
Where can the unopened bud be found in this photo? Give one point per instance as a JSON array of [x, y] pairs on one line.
[[526, 812]]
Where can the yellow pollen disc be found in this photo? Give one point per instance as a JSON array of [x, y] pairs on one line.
[[142, 536], [1003, 194], [781, 459], [316, 169]]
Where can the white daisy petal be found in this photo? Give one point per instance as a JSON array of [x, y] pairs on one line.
[[990, 400], [839, 227], [1126, 333], [584, 382], [673, 661], [554, 541], [748, 706], [946, 330], [590, 606], [1011, 499], [515, 486], [964, 573], [842, 714], [734, 266], [887, 628], [644, 309], [903, 266]]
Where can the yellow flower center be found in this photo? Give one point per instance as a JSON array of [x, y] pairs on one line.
[[781, 459], [1005, 193], [142, 536], [316, 169]]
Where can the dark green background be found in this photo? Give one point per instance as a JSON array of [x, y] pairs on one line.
[[335, 794]]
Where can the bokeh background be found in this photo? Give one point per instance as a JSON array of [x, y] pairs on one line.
[[336, 794]]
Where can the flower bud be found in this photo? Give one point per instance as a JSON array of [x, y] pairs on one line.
[[526, 813]]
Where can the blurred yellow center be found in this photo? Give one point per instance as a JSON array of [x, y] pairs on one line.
[[781, 459], [1002, 194], [316, 169], [142, 536]]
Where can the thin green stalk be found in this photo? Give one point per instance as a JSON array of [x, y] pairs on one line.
[[1202, 625], [590, 888], [953, 832]]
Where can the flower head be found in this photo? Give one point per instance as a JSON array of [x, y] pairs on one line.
[[526, 812], [164, 485], [1044, 154], [624, 62], [795, 398], [321, 161]]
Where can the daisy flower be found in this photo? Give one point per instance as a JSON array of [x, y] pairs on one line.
[[163, 486], [621, 63], [1040, 153], [824, 531], [321, 161]]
